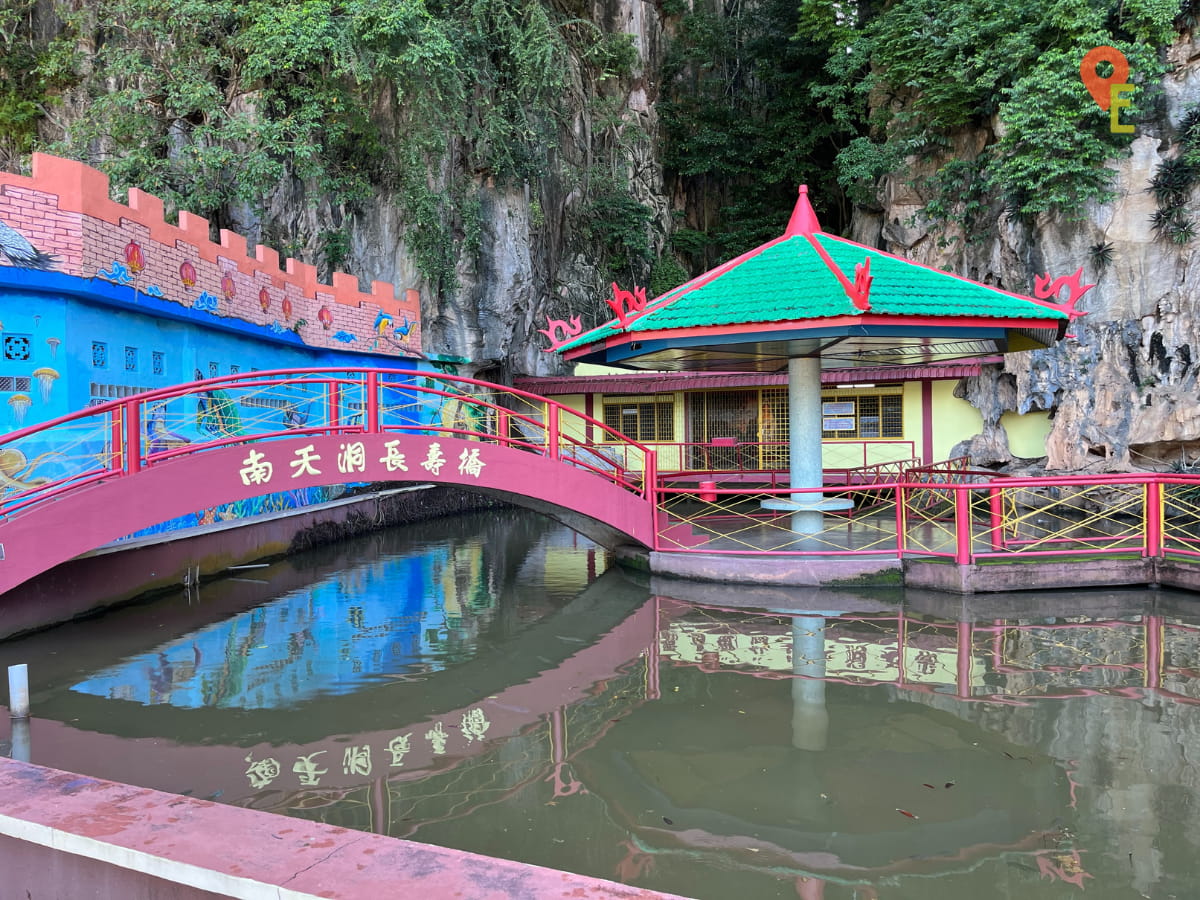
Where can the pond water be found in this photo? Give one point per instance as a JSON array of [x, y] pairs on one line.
[[490, 683]]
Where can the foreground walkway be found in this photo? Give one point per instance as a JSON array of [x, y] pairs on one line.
[[68, 835]]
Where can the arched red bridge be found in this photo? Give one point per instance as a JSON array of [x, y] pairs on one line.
[[81, 481]]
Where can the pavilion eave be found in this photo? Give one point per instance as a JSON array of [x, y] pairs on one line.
[[839, 342]]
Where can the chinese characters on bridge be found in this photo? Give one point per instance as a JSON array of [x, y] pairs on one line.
[[261, 467]]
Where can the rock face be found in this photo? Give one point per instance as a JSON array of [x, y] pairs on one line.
[[1122, 387], [534, 259], [1122, 391]]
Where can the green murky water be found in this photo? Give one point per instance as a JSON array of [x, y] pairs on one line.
[[489, 683]]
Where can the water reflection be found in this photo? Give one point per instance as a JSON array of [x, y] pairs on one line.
[[495, 689], [395, 616]]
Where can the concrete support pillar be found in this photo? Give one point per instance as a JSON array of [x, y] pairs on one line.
[[18, 691], [804, 445]]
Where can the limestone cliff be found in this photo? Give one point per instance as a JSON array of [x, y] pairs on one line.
[[534, 256], [497, 213], [1122, 391], [1122, 387]]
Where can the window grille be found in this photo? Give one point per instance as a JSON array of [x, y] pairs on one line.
[[266, 402], [17, 383], [774, 429], [16, 347], [101, 392], [99, 355], [716, 415], [131, 359], [863, 416], [158, 362], [641, 419]]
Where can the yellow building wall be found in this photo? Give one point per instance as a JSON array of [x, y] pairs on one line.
[[670, 457], [1027, 433], [570, 425], [914, 418], [954, 420]]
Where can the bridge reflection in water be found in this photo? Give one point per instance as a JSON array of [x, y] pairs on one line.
[[466, 693]]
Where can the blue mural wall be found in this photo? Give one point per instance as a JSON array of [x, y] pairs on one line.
[[92, 341]]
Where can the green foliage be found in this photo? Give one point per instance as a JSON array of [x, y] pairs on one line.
[[335, 250], [619, 223], [931, 67], [1101, 254], [689, 241], [742, 122], [212, 102], [1149, 21], [1056, 139], [1188, 16], [22, 86], [1173, 181], [613, 55], [667, 274], [959, 195], [1189, 129], [863, 162]]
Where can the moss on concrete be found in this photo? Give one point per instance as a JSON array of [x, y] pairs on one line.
[[883, 578]]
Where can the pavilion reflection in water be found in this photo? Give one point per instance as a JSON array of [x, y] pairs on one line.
[[999, 661]]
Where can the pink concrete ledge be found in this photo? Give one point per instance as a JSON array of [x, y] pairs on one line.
[[84, 832]]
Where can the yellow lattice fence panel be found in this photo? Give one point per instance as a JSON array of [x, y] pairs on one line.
[[1181, 516], [735, 521], [1066, 518]]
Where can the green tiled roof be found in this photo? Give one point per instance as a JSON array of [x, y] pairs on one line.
[[787, 280]]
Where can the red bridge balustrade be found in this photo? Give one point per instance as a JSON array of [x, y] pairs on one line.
[[92, 477]]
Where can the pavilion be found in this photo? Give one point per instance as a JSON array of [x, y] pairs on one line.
[[805, 300]]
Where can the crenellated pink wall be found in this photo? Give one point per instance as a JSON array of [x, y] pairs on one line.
[[65, 210]]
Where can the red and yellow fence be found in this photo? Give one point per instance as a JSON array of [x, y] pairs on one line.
[[947, 511]]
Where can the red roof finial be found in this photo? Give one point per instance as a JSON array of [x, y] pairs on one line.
[[803, 220]]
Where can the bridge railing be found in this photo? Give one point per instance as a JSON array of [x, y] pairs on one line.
[[121, 437]]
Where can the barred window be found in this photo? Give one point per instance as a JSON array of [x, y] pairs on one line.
[[862, 416], [641, 419], [101, 392], [724, 414]]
